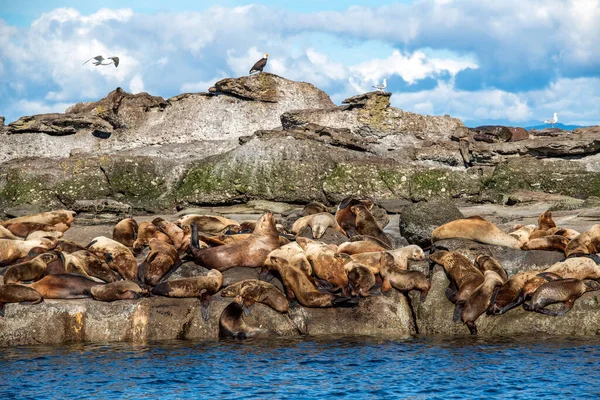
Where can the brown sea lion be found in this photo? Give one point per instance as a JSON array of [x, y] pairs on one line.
[[404, 281], [488, 263], [403, 254], [326, 263], [163, 259], [60, 219], [534, 283], [118, 257], [566, 232], [11, 250], [11, 293], [463, 275], [178, 236], [64, 286], [564, 291], [126, 231], [366, 224], [221, 239], [29, 270], [476, 229], [510, 294], [299, 286], [44, 234], [346, 218], [522, 233], [576, 268], [119, 290], [250, 291], [287, 251], [548, 242], [24, 229], [314, 207], [200, 286], [251, 252], [361, 246], [208, 223], [318, 224], [6, 234], [90, 264], [481, 299], [587, 242], [371, 239], [361, 279], [375, 260], [147, 231], [68, 246], [232, 324]]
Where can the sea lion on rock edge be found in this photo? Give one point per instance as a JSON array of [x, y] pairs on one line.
[[564, 291], [360, 278], [366, 224], [119, 290], [326, 263], [251, 252], [125, 232], [116, 255], [509, 294], [162, 259], [29, 270], [403, 254], [208, 223], [480, 300], [548, 242], [534, 283], [463, 275], [404, 281], [64, 286], [477, 229], [346, 218], [11, 293], [232, 324], [250, 291], [318, 224], [587, 242], [488, 263]]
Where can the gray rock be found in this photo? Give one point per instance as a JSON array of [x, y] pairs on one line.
[[61, 125], [417, 221]]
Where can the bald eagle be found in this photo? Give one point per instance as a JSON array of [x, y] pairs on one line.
[[260, 64]]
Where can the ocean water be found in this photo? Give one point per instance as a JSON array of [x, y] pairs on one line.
[[340, 367]]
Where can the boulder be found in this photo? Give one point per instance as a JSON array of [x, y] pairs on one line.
[[61, 125], [417, 221], [518, 134], [491, 133]]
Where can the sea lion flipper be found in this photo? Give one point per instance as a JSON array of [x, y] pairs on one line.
[[472, 327], [205, 305], [386, 287], [458, 308], [450, 294]]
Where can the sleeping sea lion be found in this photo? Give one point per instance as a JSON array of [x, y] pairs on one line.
[[11, 250], [178, 235], [403, 254], [119, 290], [522, 233], [250, 291], [564, 291], [116, 256], [587, 242], [547, 242], [314, 207], [64, 286], [6, 234], [125, 232], [346, 218], [318, 224], [326, 263], [64, 217], [360, 278], [163, 259], [476, 229], [509, 294], [360, 246], [12, 293], [90, 264], [147, 231], [208, 223], [29, 270]]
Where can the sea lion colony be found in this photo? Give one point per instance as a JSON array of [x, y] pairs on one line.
[[37, 264]]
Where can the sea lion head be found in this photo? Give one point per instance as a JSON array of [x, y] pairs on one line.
[[591, 285], [266, 224], [417, 253], [48, 257]]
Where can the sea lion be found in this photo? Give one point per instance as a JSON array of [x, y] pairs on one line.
[[545, 222], [54, 220], [361, 246], [534, 283], [126, 231], [403, 254], [68, 246], [232, 324], [287, 251], [481, 299], [463, 275], [208, 223], [548, 242], [564, 291], [403, 281], [90, 264], [163, 259], [314, 207], [200, 286], [6, 234], [375, 260], [11, 250], [318, 224], [566, 232], [346, 218], [476, 229], [298, 286], [488, 263], [371, 239], [326, 263], [29, 270], [119, 290], [147, 231], [577, 268], [118, 257], [251, 252], [366, 224], [587, 242], [11, 293], [178, 235], [64, 286], [250, 291], [360, 278], [24, 229], [522, 233], [44, 234], [509, 294]]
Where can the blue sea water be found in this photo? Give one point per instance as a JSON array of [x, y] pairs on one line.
[[341, 367]]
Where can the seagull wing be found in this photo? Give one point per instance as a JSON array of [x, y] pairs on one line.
[[97, 58], [116, 60], [260, 64]]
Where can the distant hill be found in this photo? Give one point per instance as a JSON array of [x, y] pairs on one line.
[[558, 125]]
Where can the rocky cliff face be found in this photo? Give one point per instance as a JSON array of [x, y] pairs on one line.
[[265, 137]]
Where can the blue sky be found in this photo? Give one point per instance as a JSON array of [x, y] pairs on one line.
[[511, 62]]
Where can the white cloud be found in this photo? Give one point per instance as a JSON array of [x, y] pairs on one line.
[[137, 84], [26, 107]]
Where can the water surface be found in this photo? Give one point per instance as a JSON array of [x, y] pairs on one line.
[[341, 367]]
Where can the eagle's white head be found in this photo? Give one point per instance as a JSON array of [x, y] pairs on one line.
[[266, 55]]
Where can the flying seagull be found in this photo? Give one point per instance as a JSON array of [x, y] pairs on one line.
[[553, 120], [260, 64], [381, 87], [102, 61]]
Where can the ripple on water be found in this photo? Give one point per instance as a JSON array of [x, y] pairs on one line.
[[443, 367]]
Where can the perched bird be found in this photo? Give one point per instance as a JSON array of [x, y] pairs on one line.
[[104, 61], [553, 120], [260, 64], [381, 87]]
